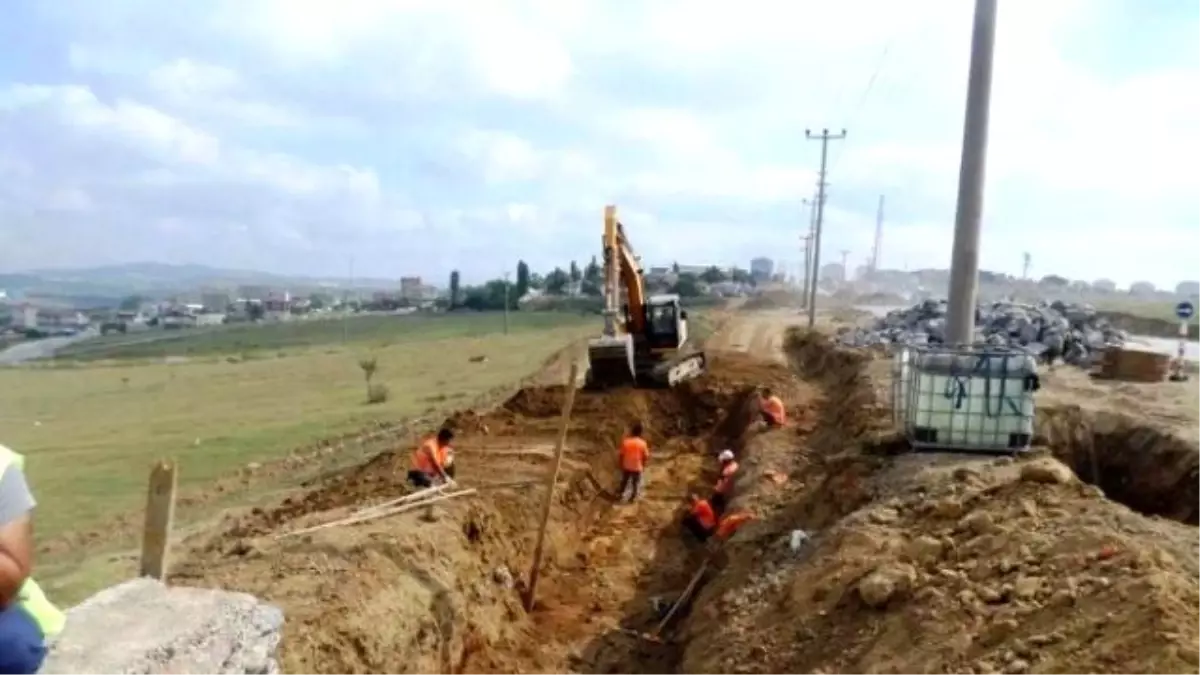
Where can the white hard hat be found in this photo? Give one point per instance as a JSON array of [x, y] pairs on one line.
[[725, 456]]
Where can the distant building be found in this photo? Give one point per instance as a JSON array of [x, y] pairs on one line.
[[833, 272], [1104, 286], [762, 268], [1141, 288], [1188, 289], [410, 288], [215, 301]]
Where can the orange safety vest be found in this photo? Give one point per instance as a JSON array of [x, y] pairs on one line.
[[725, 483], [773, 407], [428, 457], [731, 523], [704, 514], [634, 453]]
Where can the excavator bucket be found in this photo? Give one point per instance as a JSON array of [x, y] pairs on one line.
[[610, 362]]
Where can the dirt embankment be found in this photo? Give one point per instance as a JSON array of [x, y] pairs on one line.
[[1142, 325], [404, 595], [946, 563]]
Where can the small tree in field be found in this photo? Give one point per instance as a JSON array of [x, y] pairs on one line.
[[376, 393]]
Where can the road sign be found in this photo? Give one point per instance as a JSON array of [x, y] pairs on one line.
[[1185, 310]]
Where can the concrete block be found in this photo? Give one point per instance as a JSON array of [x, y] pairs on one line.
[[144, 626]]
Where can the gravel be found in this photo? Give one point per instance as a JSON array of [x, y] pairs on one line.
[[1048, 330]]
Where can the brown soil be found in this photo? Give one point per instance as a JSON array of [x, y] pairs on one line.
[[942, 563], [1143, 325], [916, 563], [404, 595]]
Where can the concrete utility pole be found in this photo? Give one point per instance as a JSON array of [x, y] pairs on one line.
[[1026, 260], [824, 137], [807, 239], [964, 262], [845, 270], [878, 247]]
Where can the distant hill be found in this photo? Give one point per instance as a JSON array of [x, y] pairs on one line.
[[99, 286]]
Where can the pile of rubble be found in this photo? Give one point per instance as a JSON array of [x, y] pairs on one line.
[[1075, 332]]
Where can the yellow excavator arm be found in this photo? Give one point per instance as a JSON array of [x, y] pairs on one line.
[[643, 345], [621, 271]]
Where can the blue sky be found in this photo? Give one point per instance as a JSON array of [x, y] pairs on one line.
[[419, 136]]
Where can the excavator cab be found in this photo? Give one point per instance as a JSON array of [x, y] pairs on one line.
[[649, 358], [666, 322]]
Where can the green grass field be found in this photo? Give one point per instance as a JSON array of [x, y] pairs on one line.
[[91, 430], [253, 339]]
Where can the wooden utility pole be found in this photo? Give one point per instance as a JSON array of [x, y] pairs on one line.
[[160, 516], [534, 571], [824, 137]]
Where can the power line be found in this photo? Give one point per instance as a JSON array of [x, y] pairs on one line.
[[862, 99]]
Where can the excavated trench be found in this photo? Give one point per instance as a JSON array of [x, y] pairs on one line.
[[1141, 466], [404, 595]]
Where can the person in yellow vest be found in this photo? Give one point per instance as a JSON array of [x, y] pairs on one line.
[[27, 618]]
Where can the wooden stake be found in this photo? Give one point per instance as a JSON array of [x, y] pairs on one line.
[[374, 514], [160, 515], [552, 480]]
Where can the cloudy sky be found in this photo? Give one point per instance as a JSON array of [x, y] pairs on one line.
[[416, 136]]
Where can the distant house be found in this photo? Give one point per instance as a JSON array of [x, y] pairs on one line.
[[32, 317]]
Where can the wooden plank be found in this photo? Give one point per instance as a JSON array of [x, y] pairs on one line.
[[375, 514], [551, 482], [160, 516]]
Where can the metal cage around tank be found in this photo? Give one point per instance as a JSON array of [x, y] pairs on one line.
[[967, 399]]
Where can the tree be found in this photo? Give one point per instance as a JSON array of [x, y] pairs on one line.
[[556, 282], [255, 311], [576, 275], [316, 301], [522, 279], [1053, 280], [455, 290], [688, 286], [741, 276], [675, 267], [593, 279], [131, 303], [713, 275]]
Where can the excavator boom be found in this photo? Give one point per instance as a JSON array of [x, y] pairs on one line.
[[643, 344]]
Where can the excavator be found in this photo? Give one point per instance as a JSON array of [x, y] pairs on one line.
[[645, 341]]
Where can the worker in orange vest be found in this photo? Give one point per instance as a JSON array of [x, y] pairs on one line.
[[732, 523], [701, 520], [723, 490], [634, 453], [773, 412], [433, 460]]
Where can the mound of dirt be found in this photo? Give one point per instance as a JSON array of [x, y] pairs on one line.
[[405, 595], [937, 563], [1142, 325]]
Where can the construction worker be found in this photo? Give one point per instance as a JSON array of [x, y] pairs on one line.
[[634, 453], [701, 520], [432, 461], [27, 618], [723, 490], [773, 412], [732, 523]]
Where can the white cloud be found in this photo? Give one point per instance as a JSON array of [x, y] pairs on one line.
[[481, 129]]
